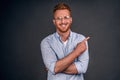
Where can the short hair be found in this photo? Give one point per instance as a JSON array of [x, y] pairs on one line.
[[61, 6]]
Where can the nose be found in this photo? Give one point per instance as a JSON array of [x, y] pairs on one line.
[[63, 20]]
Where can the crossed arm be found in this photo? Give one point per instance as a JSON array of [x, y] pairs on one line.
[[66, 64]]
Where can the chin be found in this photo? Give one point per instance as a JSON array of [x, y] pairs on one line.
[[64, 31]]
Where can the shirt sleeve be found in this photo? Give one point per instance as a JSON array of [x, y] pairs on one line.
[[48, 56], [82, 62]]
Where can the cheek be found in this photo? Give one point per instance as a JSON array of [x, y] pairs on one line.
[[56, 24], [70, 22]]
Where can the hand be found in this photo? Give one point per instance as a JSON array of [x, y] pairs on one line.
[[81, 47]]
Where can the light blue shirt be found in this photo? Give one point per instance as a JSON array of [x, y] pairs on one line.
[[53, 49]]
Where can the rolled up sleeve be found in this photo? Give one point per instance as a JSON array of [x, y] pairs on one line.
[[48, 55], [82, 62]]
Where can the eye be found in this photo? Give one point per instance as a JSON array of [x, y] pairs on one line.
[[67, 17], [59, 18]]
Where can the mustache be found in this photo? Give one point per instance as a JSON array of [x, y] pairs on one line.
[[63, 23]]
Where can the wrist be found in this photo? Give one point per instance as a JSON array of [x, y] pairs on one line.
[[77, 52]]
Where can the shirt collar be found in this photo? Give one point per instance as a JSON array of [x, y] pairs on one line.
[[58, 36]]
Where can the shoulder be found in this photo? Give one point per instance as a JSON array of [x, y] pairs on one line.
[[78, 36], [47, 39]]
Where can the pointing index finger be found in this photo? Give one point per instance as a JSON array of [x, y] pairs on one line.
[[86, 39]]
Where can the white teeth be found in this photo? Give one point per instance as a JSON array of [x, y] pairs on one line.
[[63, 25]]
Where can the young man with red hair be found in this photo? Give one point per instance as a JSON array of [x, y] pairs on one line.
[[65, 53]]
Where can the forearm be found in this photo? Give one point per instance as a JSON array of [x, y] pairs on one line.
[[65, 62], [71, 69]]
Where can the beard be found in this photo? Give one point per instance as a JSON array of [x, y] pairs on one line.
[[64, 27]]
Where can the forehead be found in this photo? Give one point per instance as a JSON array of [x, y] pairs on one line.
[[60, 13]]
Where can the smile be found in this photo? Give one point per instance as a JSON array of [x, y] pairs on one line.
[[63, 25]]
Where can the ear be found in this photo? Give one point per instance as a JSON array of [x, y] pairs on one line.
[[53, 21], [71, 19]]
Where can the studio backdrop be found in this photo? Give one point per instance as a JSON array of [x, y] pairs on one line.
[[25, 23]]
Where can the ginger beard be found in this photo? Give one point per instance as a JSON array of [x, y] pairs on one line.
[[62, 25]]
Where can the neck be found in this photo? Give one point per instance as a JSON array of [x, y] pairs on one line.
[[64, 36]]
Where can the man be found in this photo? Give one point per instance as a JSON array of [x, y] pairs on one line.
[[65, 53]]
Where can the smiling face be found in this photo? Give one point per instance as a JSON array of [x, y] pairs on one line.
[[62, 20]]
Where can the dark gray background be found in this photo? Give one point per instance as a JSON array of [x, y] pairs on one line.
[[25, 23]]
